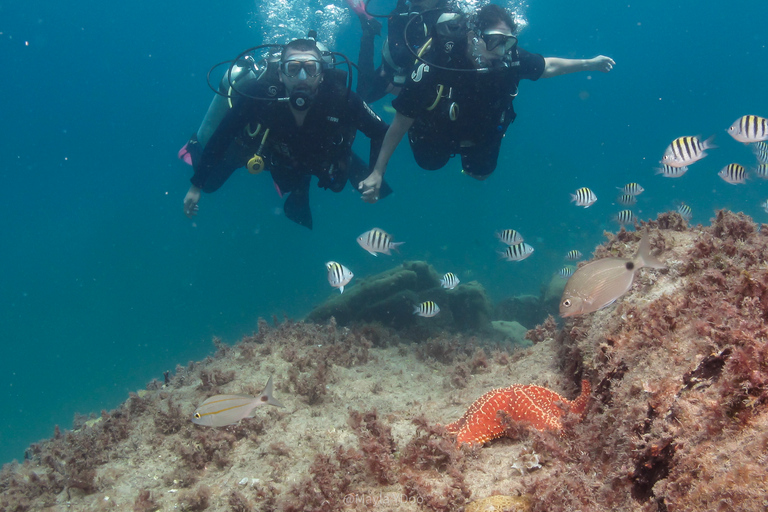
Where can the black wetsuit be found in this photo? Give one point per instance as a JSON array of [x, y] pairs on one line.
[[471, 116], [398, 59], [322, 146]]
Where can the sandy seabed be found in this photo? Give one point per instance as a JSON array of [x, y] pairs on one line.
[[676, 421]]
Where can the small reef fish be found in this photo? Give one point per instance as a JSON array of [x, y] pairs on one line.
[[625, 217], [748, 129], [735, 174], [599, 283], [426, 309], [764, 204], [633, 189], [685, 212], [377, 240], [668, 171], [338, 275], [627, 199], [509, 237], [449, 281], [222, 410], [584, 197], [517, 252], [573, 255], [760, 149], [566, 272], [686, 150], [761, 171]]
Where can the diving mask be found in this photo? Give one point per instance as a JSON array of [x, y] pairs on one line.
[[293, 68], [495, 39]]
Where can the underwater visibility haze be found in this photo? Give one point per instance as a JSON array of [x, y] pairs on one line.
[[105, 284]]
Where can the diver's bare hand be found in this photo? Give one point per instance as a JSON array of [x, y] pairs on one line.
[[190, 201], [602, 63], [369, 187]]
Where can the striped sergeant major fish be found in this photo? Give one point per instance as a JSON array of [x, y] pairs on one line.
[[338, 275], [685, 212], [625, 217], [573, 255], [566, 272], [584, 197], [426, 309], [222, 410], [627, 199], [760, 149], [668, 171], [749, 129], [449, 281], [734, 174], [509, 237], [517, 252], [686, 150], [377, 240], [632, 189], [761, 171]]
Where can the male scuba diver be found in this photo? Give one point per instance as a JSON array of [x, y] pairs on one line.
[[397, 58], [458, 99], [301, 125]]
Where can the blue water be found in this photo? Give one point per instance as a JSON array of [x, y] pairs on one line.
[[105, 284]]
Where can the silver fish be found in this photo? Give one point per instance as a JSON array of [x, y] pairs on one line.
[[573, 255], [377, 240], [338, 275], [735, 174], [748, 129], [584, 197], [632, 189], [449, 281], [686, 150], [625, 217], [221, 410], [517, 252], [599, 283], [668, 171], [426, 309], [509, 237], [685, 212], [627, 199]]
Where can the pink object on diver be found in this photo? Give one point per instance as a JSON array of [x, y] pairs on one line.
[[279, 192], [359, 7], [184, 155]]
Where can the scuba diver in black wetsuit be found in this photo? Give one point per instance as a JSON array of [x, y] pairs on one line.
[[458, 99], [397, 58], [306, 129]]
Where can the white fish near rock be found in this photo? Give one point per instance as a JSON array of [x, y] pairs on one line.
[[449, 281], [222, 410], [426, 309], [598, 284], [377, 240], [338, 275]]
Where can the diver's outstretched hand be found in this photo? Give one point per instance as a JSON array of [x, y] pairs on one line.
[[369, 187], [190, 201], [602, 63]]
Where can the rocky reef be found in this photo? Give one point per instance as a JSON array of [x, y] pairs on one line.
[[677, 418]]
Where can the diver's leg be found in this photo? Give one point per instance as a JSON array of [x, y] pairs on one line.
[[430, 152], [296, 206], [479, 161]]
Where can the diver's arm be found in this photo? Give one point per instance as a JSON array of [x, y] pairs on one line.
[[370, 185], [556, 66]]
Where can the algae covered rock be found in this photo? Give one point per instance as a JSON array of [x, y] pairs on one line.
[[389, 298]]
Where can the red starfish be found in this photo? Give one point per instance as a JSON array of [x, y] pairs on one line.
[[536, 405]]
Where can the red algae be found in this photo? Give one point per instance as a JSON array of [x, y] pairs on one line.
[[676, 420]]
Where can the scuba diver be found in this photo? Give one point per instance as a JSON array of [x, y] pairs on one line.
[[397, 58], [458, 99], [296, 119]]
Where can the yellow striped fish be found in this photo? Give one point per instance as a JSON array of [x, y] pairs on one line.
[[377, 240], [509, 237], [748, 129], [517, 252], [449, 281], [686, 150], [584, 197], [426, 309], [338, 275], [668, 171], [734, 174], [222, 410]]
